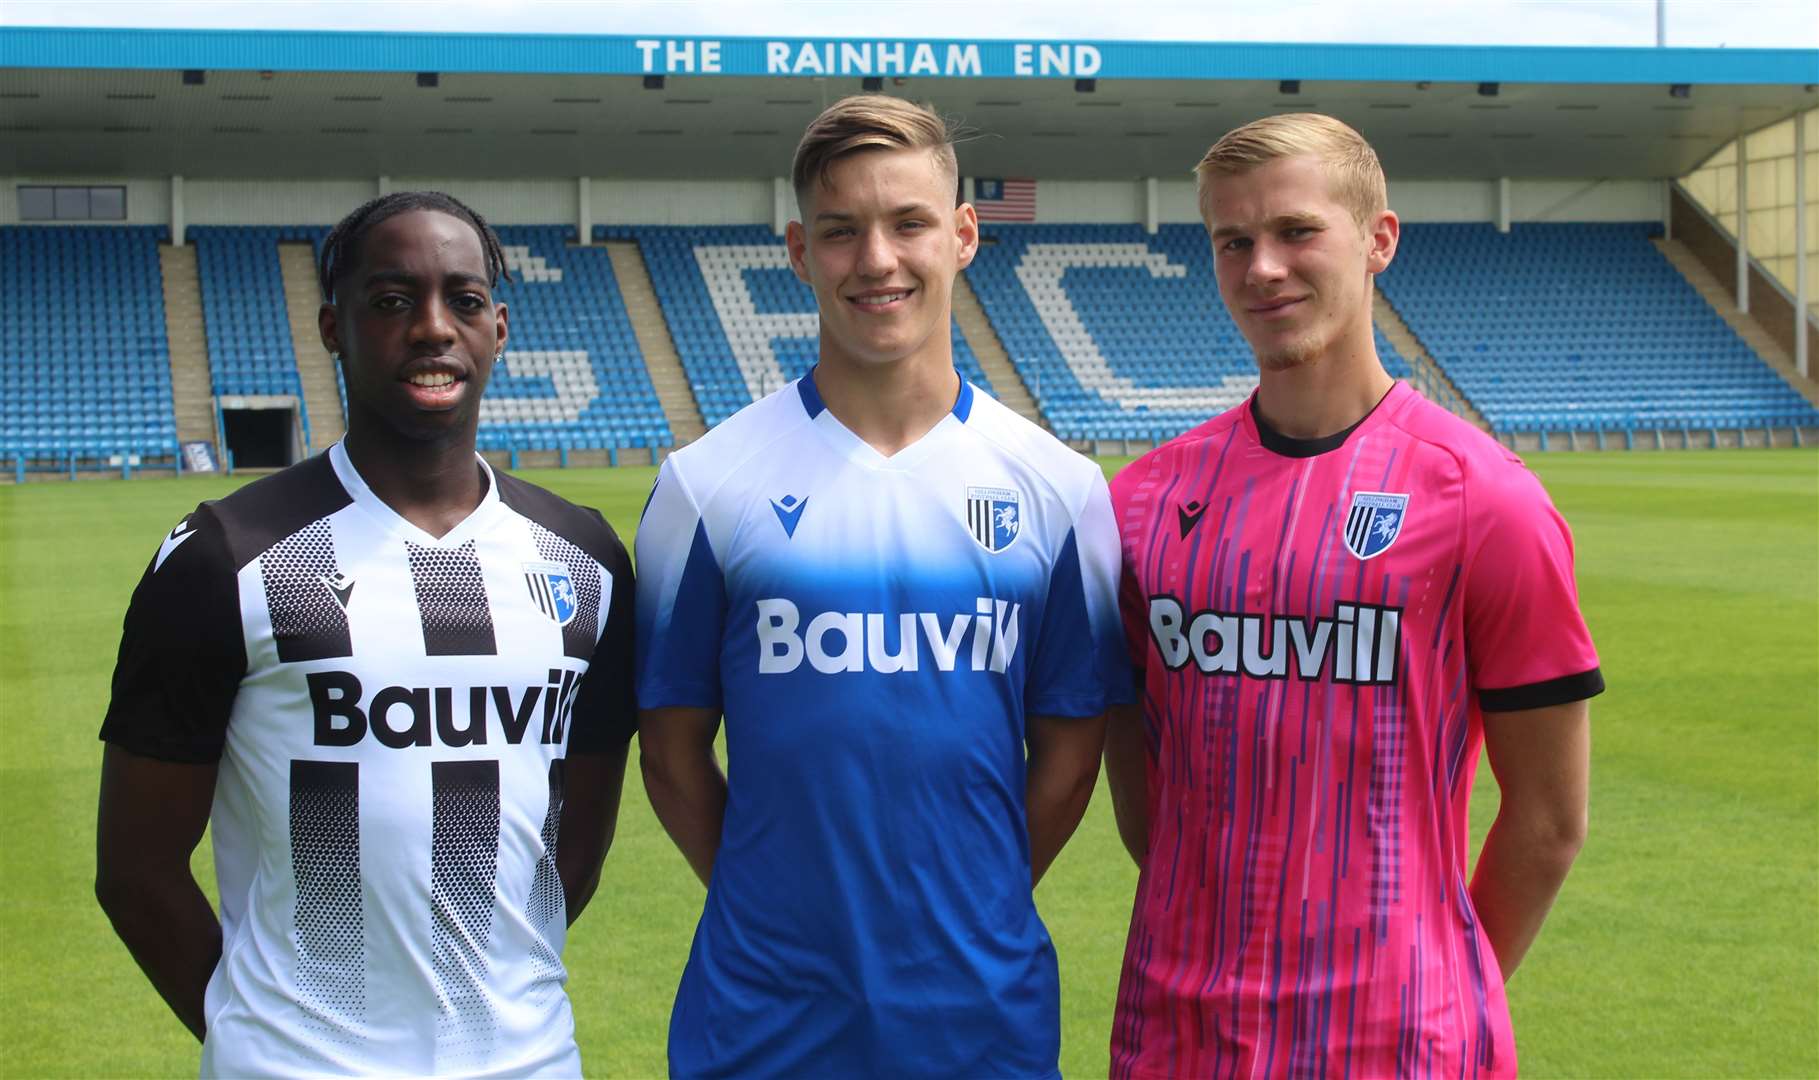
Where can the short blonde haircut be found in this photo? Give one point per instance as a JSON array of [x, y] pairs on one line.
[[871, 122], [1351, 165]]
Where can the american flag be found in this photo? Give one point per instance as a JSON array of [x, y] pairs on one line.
[[1005, 200]]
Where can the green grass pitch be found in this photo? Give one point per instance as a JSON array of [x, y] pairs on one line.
[[1686, 942]]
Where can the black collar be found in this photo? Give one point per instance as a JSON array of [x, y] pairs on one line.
[[1277, 443]]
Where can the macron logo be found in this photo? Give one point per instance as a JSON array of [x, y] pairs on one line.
[[1189, 514], [177, 536], [341, 585], [789, 512]]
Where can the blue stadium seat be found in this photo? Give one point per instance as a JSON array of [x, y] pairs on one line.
[[573, 376], [243, 310], [84, 361], [1118, 334], [1579, 327], [742, 323]]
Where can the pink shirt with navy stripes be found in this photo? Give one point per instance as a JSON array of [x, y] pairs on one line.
[[1317, 628]]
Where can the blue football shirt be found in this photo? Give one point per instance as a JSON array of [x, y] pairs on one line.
[[875, 631]]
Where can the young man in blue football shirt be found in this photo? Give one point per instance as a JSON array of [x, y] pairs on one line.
[[902, 598]]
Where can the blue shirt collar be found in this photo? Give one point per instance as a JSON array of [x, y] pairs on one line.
[[813, 405]]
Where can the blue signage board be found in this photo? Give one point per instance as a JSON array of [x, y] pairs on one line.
[[199, 457], [944, 58]]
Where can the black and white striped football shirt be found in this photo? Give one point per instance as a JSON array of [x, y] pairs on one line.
[[390, 711]]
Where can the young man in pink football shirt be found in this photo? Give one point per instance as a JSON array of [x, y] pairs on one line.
[[1333, 594]]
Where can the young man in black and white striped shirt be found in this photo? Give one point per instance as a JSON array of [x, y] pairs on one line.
[[397, 684]]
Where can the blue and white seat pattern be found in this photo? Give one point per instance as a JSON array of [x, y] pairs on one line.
[[1580, 327], [1118, 334], [84, 361], [573, 376], [243, 309], [743, 324]]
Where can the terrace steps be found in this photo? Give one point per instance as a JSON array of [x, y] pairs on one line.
[[192, 396], [993, 360], [1430, 378], [315, 368], [654, 341], [1725, 304]]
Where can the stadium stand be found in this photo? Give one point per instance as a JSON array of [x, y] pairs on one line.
[[249, 340], [572, 376], [742, 323], [1119, 334], [84, 363], [1583, 327]]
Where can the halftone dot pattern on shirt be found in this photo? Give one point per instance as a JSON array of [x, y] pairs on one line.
[[451, 600], [383, 828], [464, 853], [330, 929], [308, 623], [545, 905], [578, 636]]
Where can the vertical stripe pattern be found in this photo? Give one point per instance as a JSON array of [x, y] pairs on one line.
[[979, 521], [464, 854], [579, 635], [451, 601], [545, 908], [308, 623], [328, 922], [1296, 915]]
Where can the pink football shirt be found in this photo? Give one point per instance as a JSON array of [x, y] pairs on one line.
[[1316, 626]]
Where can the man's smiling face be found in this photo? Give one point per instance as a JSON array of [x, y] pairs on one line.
[[416, 325], [1293, 264], [880, 243]]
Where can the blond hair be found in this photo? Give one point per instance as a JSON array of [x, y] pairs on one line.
[[866, 122], [1351, 164]]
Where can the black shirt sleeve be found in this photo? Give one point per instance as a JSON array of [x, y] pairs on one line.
[[1545, 694], [606, 709], [182, 650]]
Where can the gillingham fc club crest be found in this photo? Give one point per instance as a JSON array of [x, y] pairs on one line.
[[994, 516], [552, 590], [1374, 522]]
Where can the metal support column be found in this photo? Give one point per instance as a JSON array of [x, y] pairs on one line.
[[179, 213], [1800, 250], [783, 205], [1743, 224]]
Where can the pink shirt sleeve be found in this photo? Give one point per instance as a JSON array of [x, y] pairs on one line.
[[1526, 642]]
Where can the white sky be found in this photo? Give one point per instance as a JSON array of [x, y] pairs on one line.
[[1734, 23]]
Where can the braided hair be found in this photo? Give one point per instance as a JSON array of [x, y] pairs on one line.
[[341, 250]]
